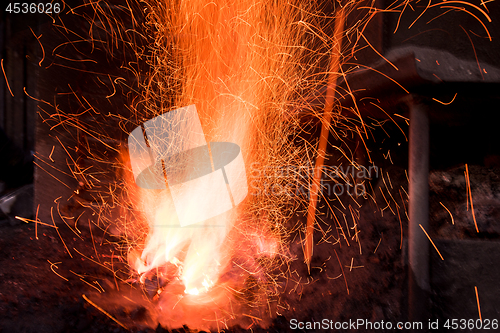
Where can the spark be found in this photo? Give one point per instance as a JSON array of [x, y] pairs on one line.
[[63, 218], [397, 125], [437, 77], [478, 305], [400, 228], [52, 265], [446, 103], [378, 53], [463, 9], [114, 273], [50, 155], [387, 202], [378, 244], [94, 261], [93, 242], [419, 16], [114, 88], [41, 46], [398, 115], [435, 247], [384, 75], [452, 220], [34, 221], [388, 156], [351, 267], [5, 76], [77, 60], [463, 3], [57, 230], [107, 314], [475, 54], [467, 180], [390, 183], [364, 144], [36, 99], [406, 2], [340, 264]]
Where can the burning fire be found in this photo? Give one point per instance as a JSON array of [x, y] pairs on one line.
[[229, 59]]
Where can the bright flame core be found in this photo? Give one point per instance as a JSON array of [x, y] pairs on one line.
[[201, 183]]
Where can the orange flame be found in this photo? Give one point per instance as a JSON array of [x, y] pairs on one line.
[[228, 58]]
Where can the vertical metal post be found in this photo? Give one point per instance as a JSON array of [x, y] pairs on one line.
[[418, 250]]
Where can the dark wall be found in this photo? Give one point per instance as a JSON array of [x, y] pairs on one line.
[[20, 53]]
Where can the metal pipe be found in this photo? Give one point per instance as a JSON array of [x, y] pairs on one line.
[[418, 249]]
